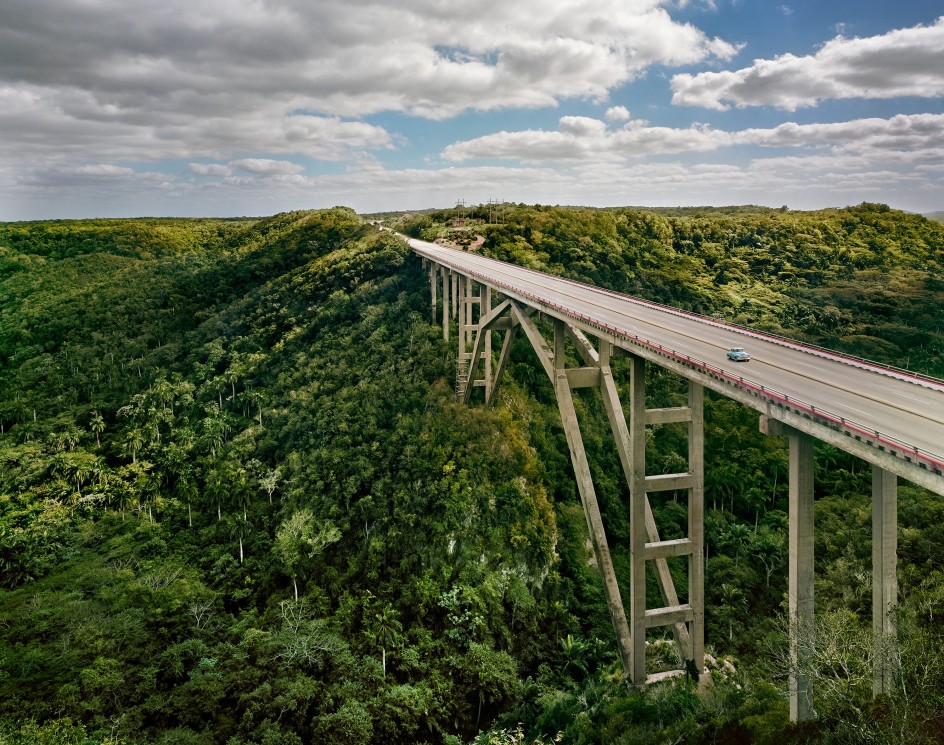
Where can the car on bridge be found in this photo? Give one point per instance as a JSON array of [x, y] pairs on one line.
[[738, 354]]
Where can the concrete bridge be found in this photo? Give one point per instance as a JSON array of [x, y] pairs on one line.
[[890, 418]]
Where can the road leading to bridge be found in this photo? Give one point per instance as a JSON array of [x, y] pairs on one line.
[[903, 408]]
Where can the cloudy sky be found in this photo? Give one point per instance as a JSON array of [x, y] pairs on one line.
[[251, 107]]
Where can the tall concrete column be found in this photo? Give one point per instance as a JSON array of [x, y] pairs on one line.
[[696, 522], [637, 520], [432, 290], [801, 574], [467, 315], [469, 309], [884, 577], [445, 311], [484, 311], [460, 311]]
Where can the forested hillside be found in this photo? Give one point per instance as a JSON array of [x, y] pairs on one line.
[[238, 503]]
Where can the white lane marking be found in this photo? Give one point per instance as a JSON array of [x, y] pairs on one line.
[[919, 400], [815, 368]]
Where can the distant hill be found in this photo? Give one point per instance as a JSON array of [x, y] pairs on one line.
[[939, 215]]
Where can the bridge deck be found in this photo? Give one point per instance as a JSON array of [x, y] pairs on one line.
[[895, 409]]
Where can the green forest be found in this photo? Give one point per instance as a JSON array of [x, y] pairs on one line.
[[239, 504]]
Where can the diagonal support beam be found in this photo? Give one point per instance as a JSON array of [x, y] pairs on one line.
[[585, 348], [578, 459], [491, 318], [503, 357], [541, 349]]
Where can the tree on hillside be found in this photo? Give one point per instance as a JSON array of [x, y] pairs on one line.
[[300, 538], [384, 630]]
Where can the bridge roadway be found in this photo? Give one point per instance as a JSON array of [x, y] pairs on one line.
[[890, 409]]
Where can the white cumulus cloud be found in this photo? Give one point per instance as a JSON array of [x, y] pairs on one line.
[[904, 62], [617, 114], [912, 138], [210, 169], [919, 137], [587, 139], [179, 71], [214, 81], [267, 166]]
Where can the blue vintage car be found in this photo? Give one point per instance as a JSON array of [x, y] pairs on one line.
[[738, 354]]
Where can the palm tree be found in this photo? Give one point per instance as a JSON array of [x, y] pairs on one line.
[[239, 529], [257, 398], [188, 490], [216, 428], [768, 549], [97, 425], [132, 442], [737, 536], [575, 654], [733, 603], [84, 466], [216, 489], [239, 485], [385, 631]]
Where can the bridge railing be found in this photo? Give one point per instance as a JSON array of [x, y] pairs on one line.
[[871, 437]]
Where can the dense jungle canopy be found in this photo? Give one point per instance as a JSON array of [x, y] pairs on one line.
[[238, 503]]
